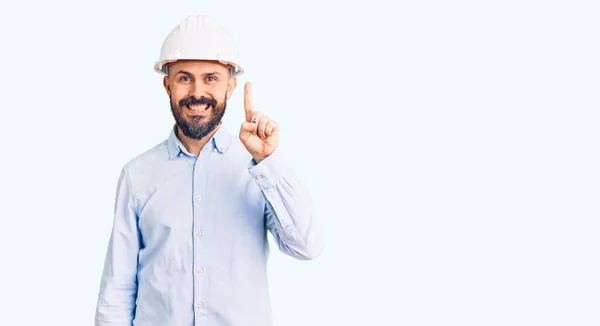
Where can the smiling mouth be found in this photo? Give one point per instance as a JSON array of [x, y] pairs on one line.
[[198, 107]]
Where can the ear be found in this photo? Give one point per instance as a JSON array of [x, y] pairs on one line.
[[231, 84], [166, 85]]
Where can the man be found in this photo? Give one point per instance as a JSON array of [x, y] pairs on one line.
[[189, 240]]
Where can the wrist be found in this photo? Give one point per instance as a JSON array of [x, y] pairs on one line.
[[260, 157]]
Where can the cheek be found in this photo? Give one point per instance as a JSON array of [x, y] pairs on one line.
[[220, 88], [177, 94], [218, 93]]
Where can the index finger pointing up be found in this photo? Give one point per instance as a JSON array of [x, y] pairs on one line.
[[248, 106]]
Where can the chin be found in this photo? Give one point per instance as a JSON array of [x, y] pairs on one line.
[[197, 121]]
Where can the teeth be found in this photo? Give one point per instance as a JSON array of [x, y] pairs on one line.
[[198, 107]]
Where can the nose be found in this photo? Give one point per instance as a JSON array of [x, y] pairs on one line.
[[198, 90]]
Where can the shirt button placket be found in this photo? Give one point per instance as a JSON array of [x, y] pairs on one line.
[[199, 269]]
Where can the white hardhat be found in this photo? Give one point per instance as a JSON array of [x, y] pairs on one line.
[[199, 37]]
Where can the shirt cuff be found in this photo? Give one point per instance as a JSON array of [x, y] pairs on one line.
[[270, 170]]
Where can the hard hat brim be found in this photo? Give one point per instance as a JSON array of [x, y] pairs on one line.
[[161, 65]]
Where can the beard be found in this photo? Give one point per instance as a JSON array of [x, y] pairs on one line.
[[195, 128]]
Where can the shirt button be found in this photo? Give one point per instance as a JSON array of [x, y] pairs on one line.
[[258, 177], [214, 149], [199, 165], [198, 197], [200, 305], [199, 233], [181, 155], [200, 270]]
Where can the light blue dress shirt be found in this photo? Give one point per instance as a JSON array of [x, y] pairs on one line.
[[189, 240]]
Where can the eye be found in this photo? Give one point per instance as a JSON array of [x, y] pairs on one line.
[[184, 79], [211, 78]]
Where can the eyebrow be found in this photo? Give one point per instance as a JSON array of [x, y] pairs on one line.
[[206, 74]]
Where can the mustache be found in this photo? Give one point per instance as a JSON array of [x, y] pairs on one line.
[[202, 100]]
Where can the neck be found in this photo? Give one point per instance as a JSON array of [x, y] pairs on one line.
[[194, 146]]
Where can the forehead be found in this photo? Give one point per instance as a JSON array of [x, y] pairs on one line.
[[197, 67]]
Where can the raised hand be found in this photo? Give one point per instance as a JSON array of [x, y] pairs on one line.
[[259, 134]]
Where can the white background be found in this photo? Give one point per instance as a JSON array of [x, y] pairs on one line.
[[451, 147]]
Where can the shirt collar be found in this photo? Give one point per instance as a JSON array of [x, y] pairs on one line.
[[220, 141]]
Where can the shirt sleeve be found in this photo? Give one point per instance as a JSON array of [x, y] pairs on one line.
[[290, 213], [118, 286]]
